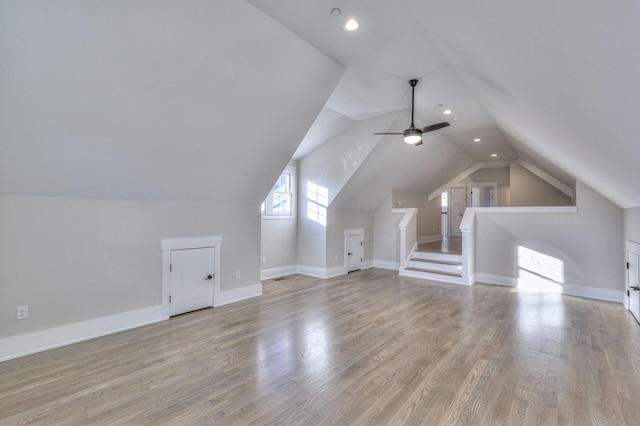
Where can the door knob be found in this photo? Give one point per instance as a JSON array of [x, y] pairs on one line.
[[209, 277], [350, 254], [635, 288]]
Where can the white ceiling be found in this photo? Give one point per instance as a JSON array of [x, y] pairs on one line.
[[177, 101], [163, 100], [554, 82]]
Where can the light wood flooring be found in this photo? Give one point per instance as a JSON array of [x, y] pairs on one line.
[[367, 348], [450, 245]]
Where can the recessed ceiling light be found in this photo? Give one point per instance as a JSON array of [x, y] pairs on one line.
[[336, 11], [494, 155], [447, 112], [351, 25], [477, 140]]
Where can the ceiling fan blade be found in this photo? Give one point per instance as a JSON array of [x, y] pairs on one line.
[[388, 133], [433, 127]]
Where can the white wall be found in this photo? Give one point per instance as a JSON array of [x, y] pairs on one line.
[[279, 242], [74, 259], [339, 220], [386, 240], [527, 189], [500, 175], [632, 224], [589, 243], [429, 219]]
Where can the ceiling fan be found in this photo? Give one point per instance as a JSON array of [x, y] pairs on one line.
[[413, 135]]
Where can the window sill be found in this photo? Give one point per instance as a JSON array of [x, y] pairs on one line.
[[278, 216]]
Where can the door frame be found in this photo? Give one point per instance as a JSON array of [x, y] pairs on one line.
[[347, 234], [169, 244], [462, 185], [471, 185], [630, 246]]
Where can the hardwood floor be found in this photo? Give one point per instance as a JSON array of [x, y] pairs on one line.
[[367, 348], [450, 245]]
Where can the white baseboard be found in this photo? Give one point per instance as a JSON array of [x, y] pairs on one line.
[[38, 341], [496, 279], [429, 239], [594, 293], [312, 271], [336, 272], [269, 274], [238, 294], [325, 274], [384, 264], [568, 289]]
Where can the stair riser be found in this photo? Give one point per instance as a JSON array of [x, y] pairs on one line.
[[434, 277], [437, 256], [435, 266]]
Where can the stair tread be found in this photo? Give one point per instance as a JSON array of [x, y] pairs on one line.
[[442, 262], [432, 271]]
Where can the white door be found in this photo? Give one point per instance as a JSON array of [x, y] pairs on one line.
[[354, 252], [457, 206], [633, 279], [191, 279]]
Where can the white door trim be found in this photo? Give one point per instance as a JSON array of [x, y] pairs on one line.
[[471, 185], [169, 244], [633, 247], [347, 234]]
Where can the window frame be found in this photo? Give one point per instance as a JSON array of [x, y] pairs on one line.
[[267, 212]]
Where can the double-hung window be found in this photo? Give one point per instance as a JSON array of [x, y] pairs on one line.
[[280, 203]]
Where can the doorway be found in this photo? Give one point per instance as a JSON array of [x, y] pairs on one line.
[[457, 206], [354, 249], [190, 273], [482, 194], [633, 278]]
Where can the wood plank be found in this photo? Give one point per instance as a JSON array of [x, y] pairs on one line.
[[366, 348]]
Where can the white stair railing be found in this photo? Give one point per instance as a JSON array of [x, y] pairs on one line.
[[408, 235], [467, 227]]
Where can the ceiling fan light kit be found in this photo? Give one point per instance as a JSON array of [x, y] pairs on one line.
[[413, 135]]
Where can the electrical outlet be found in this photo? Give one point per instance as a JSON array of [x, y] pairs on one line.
[[264, 259], [22, 312], [335, 258], [238, 274]]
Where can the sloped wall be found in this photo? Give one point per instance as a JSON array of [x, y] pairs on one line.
[[586, 247], [73, 259]]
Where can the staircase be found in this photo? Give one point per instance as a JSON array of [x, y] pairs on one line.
[[428, 265]]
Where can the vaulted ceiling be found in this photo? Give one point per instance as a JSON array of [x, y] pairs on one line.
[[554, 82], [199, 100]]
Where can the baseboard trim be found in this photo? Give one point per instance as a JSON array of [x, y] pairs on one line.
[[384, 264], [238, 294], [336, 272], [567, 289], [38, 341], [312, 271], [502, 280], [325, 274], [429, 239], [269, 274]]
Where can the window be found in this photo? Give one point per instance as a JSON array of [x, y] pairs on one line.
[[281, 200], [317, 200]]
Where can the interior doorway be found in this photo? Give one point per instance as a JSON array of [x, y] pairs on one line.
[[457, 206], [353, 249], [482, 194]]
